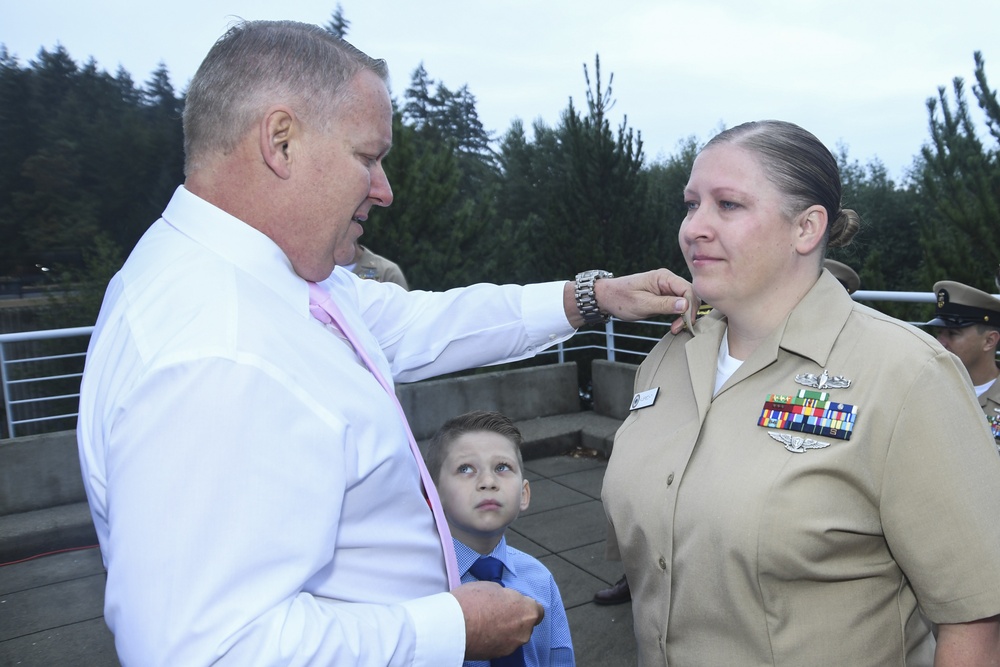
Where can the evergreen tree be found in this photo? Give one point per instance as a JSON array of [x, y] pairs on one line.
[[338, 25], [663, 210], [85, 154], [437, 234], [16, 145], [598, 189], [960, 187], [420, 108], [886, 252]]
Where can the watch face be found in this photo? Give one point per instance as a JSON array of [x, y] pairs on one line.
[[592, 274]]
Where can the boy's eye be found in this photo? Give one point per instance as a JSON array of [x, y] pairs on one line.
[[503, 467], [465, 468]]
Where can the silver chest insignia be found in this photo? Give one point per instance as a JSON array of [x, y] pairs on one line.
[[797, 444], [823, 381]]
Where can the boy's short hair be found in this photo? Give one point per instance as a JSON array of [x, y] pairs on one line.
[[470, 422]]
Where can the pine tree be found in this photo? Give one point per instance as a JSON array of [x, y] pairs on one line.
[[599, 186], [960, 185], [338, 25]]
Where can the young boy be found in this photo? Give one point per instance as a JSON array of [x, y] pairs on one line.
[[475, 461]]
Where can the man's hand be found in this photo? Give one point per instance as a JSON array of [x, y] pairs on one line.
[[497, 619], [639, 296]]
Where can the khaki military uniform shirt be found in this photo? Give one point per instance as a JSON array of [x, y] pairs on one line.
[[740, 551], [370, 266], [989, 401]]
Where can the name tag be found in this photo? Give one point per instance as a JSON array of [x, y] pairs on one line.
[[644, 398]]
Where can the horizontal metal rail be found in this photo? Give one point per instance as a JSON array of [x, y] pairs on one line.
[[33, 385], [614, 334]]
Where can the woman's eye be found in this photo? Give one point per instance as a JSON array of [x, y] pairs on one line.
[[690, 205], [728, 205]]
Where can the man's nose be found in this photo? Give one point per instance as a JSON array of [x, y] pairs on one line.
[[381, 191]]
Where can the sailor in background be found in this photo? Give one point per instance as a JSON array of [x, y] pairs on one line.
[[967, 323]]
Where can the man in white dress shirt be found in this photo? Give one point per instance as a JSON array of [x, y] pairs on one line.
[[251, 482]]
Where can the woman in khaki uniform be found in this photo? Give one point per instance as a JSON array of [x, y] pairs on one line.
[[801, 476]]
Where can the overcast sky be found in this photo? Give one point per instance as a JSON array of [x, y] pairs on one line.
[[854, 72]]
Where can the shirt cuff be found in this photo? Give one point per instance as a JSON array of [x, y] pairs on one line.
[[439, 627], [544, 314]]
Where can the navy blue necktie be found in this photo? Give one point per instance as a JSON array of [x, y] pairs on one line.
[[488, 568]]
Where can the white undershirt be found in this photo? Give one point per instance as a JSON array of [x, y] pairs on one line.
[[726, 365], [980, 388]]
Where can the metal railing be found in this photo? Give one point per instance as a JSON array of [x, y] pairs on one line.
[[41, 387], [41, 382]]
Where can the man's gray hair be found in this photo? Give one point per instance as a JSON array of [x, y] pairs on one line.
[[260, 63]]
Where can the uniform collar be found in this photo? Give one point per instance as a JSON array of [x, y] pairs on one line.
[[809, 331], [814, 325]]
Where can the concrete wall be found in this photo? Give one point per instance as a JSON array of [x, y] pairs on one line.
[[39, 471], [525, 393], [613, 383]]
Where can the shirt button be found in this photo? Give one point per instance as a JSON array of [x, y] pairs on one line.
[[670, 479], [663, 563]]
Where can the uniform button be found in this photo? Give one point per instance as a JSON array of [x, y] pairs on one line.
[[670, 479], [663, 563]]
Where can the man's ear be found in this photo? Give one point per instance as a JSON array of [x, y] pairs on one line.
[[525, 495], [992, 340], [810, 229], [278, 129]]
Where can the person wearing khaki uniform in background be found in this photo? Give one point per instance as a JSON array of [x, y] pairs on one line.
[[967, 323], [370, 266], [847, 276], [751, 536]]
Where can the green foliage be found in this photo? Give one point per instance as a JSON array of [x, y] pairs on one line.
[[663, 209], [434, 230], [886, 250], [960, 188], [84, 154], [570, 196], [79, 302], [338, 25], [89, 159]]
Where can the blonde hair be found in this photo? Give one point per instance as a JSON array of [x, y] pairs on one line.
[[470, 422], [802, 169]]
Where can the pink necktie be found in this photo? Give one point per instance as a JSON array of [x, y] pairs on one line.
[[326, 311]]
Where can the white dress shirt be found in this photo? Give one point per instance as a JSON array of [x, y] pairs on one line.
[[251, 483]]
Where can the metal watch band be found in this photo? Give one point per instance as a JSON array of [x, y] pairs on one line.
[[585, 299]]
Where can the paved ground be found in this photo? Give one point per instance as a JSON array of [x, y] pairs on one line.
[[51, 608]]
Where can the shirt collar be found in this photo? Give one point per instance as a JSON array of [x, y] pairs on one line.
[[810, 330], [815, 323], [238, 243], [466, 556]]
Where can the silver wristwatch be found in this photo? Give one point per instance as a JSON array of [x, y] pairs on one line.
[[585, 299]]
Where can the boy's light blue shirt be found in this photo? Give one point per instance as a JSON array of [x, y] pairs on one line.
[[550, 644]]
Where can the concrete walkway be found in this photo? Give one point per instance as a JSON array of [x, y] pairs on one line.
[[51, 608]]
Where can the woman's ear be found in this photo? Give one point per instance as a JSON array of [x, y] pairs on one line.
[[278, 131], [810, 229]]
